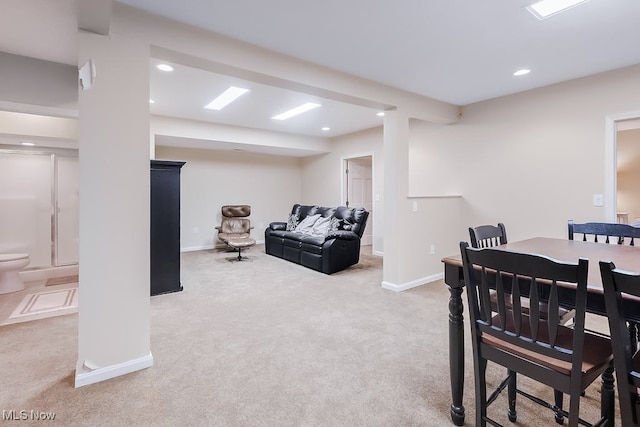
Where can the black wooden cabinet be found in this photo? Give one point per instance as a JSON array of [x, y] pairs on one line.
[[165, 226]]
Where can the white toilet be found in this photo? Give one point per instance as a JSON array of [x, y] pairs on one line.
[[10, 266]]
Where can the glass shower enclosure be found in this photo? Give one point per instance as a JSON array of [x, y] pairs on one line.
[[39, 193]]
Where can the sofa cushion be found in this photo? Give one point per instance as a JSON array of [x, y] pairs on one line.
[[289, 235], [340, 224], [325, 212], [313, 240]]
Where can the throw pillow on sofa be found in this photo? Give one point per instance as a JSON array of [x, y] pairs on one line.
[[306, 225], [322, 226], [334, 225], [292, 223], [340, 224]]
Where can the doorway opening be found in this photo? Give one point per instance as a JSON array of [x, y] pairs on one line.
[[622, 157], [357, 189]]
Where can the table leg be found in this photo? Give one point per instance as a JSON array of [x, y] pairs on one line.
[[456, 354]]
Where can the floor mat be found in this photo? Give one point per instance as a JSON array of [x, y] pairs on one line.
[[45, 304]]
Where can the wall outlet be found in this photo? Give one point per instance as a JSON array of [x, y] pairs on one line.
[[432, 249], [195, 230]]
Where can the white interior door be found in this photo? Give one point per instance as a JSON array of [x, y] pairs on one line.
[[359, 191]]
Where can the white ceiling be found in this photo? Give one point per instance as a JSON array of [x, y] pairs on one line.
[[458, 51], [185, 91]]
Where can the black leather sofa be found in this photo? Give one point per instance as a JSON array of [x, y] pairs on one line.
[[323, 248]]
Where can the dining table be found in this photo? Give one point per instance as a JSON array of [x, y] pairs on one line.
[[623, 256]]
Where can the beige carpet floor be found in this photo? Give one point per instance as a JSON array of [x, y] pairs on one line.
[[264, 342]]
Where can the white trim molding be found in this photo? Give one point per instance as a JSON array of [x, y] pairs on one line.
[[611, 162], [413, 283], [210, 247], [108, 372], [198, 248]]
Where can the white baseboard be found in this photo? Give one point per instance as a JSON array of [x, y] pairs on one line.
[[197, 248], [209, 247], [48, 272], [108, 372], [412, 284], [378, 253]]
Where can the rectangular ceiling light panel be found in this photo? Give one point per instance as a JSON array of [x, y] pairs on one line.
[[295, 111], [545, 8], [226, 98]]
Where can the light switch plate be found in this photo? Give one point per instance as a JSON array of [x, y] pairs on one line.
[[598, 200]]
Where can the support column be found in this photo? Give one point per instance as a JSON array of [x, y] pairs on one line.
[[396, 205], [114, 302]]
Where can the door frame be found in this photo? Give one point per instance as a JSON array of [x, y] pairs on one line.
[[611, 162], [343, 183]]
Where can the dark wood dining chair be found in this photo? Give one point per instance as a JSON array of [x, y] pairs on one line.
[[626, 356], [566, 359], [486, 236], [604, 232]]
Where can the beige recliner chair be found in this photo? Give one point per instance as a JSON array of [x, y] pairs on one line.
[[234, 229]]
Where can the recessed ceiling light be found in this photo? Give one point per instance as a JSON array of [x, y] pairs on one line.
[[164, 67], [30, 144], [380, 114], [151, 101], [295, 111], [522, 72], [326, 128], [545, 8], [226, 98]]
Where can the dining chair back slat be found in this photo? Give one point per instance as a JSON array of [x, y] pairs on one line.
[[604, 232], [487, 236]]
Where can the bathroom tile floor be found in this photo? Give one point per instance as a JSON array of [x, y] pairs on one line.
[[9, 302]]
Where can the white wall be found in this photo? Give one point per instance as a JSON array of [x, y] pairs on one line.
[[213, 178], [531, 160]]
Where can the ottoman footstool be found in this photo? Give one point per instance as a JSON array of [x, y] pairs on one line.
[[239, 243]]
